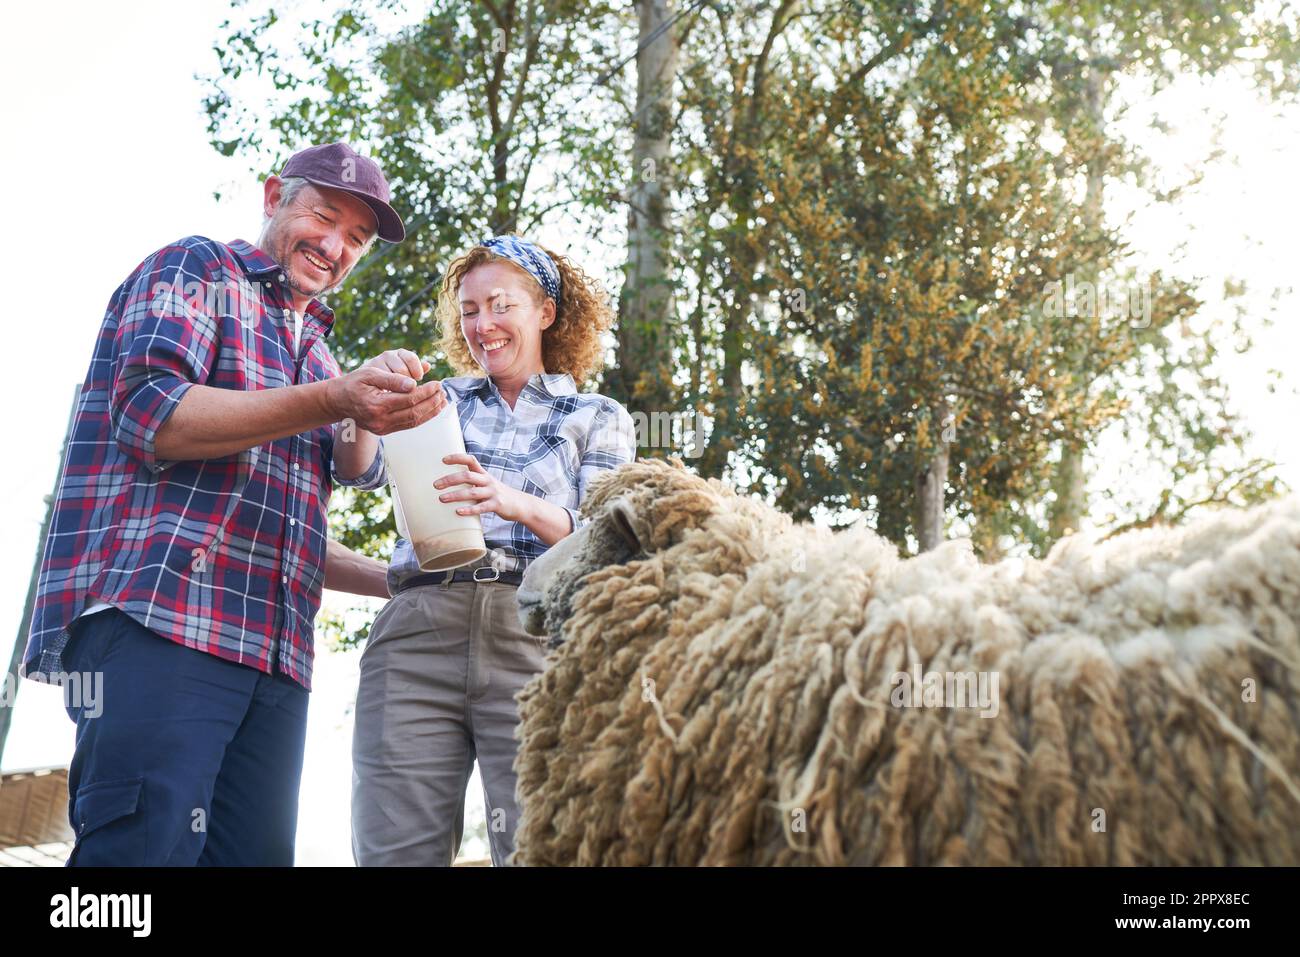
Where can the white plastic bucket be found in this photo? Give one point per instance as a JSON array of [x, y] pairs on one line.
[[441, 538]]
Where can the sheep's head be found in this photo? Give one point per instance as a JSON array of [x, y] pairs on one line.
[[635, 511]]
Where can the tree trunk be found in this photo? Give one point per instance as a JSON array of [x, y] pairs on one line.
[[643, 377], [1070, 481], [929, 525]]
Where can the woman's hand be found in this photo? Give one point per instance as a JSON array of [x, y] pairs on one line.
[[487, 493], [402, 361]]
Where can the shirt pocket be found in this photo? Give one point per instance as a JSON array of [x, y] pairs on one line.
[[551, 470]]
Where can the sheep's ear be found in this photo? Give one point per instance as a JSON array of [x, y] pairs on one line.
[[623, 516]]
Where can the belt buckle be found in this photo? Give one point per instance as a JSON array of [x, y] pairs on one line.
[[486, 568]]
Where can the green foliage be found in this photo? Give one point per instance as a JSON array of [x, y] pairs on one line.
[[871, 203], [914, 176], [461, 103]]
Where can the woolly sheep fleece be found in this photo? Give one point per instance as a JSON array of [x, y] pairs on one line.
[[719, 692]]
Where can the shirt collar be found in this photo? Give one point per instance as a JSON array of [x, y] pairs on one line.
[[254, 261], [257, 263], [552, 384]]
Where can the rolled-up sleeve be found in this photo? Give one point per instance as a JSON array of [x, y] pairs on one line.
[[166, 342], [610, 443], [375, 476], [575, 520]]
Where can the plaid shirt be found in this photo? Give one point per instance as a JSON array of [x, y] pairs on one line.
[[224, 555], [553, 443]]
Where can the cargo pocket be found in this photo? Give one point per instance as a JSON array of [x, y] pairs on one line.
[[111, 811]]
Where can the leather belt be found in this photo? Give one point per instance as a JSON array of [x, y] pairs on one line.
[[482, 574]]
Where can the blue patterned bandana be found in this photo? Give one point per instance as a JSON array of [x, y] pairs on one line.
[[530, 258]]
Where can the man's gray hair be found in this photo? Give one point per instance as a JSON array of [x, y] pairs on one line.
[[290, 187]]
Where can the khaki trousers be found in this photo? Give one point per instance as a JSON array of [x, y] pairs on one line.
[[438, 683]]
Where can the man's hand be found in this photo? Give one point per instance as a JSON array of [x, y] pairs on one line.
[[211, 422], [383, 396]]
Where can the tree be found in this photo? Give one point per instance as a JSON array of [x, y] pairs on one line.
[[643, 376], [774, 159], [1087, 46], [922, 214]]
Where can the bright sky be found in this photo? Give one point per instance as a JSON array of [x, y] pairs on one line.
[[107, 159]]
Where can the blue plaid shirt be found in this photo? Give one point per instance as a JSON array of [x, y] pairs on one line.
[[554, 442]]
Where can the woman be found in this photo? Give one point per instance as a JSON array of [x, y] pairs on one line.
[[447, 655]]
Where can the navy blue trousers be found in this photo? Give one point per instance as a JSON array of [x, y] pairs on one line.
[[183, 758]]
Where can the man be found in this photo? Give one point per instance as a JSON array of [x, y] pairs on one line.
[[188, 548]]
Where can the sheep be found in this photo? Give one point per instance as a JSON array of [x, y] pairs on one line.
[[725, 686]]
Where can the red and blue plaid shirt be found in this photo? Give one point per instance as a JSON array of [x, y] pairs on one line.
[[224, 555]]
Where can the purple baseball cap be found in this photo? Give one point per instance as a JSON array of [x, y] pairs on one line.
[[339, 166]]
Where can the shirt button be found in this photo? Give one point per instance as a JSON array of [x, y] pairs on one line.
[[281, 277], [285, 579], [295, 466], [293, 522]]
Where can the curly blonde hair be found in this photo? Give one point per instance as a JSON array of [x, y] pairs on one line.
[[570, 344]]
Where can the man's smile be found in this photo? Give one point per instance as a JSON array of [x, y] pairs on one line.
[[317, 264]]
